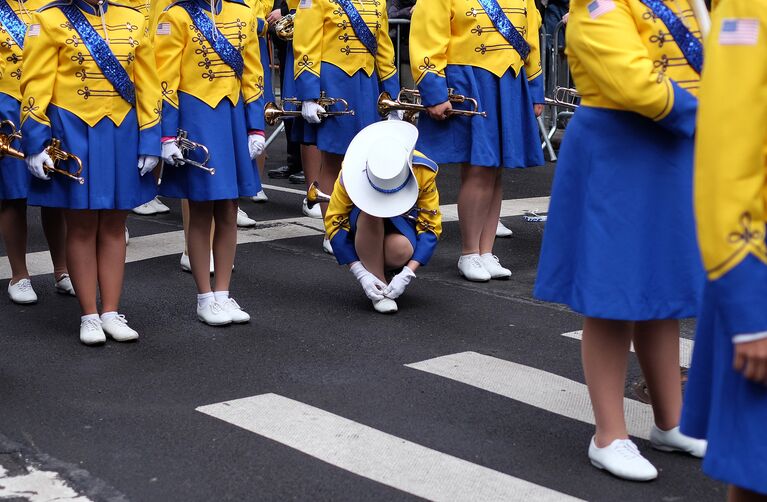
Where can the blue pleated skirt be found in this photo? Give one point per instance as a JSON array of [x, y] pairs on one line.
[[110, 166], [620, 237], [508, 137], [14, 177], [301, 131], [400, 224], [723, 407], [263, 46], [223, 130]]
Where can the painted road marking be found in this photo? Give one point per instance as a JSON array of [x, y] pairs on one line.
[[170, 243], [685, 347], [374, 454], [531, 386], [37, 486]]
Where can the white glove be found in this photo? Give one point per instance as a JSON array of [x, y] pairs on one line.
[[310, 111], [396, 115], [371, 284], [35, 165], [171, 153], [256, 145], [147, 163], [398, 283]]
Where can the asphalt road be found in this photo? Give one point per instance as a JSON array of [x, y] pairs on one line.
[[341, 415]]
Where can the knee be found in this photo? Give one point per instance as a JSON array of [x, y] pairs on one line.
[[370, 223], [398, 251]]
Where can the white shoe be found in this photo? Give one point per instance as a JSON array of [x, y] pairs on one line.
[[117, 327], [327, 247], [127, 236], [674, 440], [243, 220], [91, 332], [385, 306], [470, 266], [64, 286], [502, 230], [493, 267], [234, 310], [260, 197], [621, 458], [147, 209], [159, 207], [186, 266], [314, 212], [22, 292], [213, 314]]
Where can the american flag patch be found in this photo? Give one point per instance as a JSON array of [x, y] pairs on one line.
[[163, 29], [34, 30], [600, 7], [739, 32]]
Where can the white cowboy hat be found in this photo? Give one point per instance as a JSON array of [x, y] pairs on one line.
[[378, 169]]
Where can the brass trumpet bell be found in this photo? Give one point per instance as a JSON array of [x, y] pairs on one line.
[[284, 27], [316, 196], [274, 112], [6, 141], [409, 100], [58, 155]]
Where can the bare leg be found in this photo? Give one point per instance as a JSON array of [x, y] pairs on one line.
[[605, 349], [261, 162], [369, 244], [82, 259], [13, 226], [311, 160], [331, 166], [111, 258], [737, 494], [657, 347], [185, 221], [474, 201], [55, 229], [224, 242], [487, 239], [397, 250], [198, 243]]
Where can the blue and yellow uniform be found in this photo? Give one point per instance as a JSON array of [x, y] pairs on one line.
[[341, 217], [66, 95], [620, 237], [731, 208], [14, 177], [260, 9], [145, 8], [346, 58], [204, 96], [455, 44]]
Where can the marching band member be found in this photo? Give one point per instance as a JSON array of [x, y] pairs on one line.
[[15, 16], [619, 246], [89, 80], [726, 396], [487, 50], [384, 212], [261, 10], [343, 49], [212, 85]]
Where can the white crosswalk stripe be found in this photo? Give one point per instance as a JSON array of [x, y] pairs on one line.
[[374, 454], [685, 347], [37, 486]]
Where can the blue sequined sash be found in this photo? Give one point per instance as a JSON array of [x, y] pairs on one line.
[[226, 51], [103, 56], [505, 28], [691, 47], [13, 25], [360, 28]]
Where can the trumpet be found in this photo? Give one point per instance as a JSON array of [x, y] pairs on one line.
[[284, 27], [564, 98], [186, 145], [409, 100], [53, 150], [273, 112]]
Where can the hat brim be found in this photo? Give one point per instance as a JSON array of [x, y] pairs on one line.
[[355, 180]]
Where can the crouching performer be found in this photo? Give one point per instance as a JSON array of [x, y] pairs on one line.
[[383, 218]]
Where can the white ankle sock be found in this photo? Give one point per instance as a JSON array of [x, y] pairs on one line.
[[205, 299], [221, 296], [107, 316], [90, 317]]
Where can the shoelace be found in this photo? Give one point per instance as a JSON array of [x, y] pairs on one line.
[[476, 263], [121, 319], [92, 324], [216, 308], [233, 303], [628, 449], [24, 285]]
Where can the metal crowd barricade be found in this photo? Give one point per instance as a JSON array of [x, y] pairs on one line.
[[558, 73]]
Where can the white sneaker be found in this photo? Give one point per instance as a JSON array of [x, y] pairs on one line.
[[260, 197], [64, 286], [127, 236], [502, 230], [117, 327], [493, 267], [243, 220], [159, 207], [186, 266], [314, 212], [385, 306], [470, 266], [147, 209], [674, 440], [621, 458], [22, 292], [234, 310], [91, 332], [213, 314], [327, 247]]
